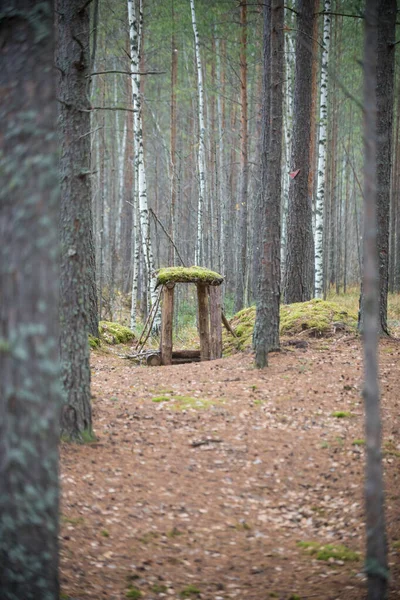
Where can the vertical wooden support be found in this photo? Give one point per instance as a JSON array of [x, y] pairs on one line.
[[166, 323], [215, 322], [204, 321]]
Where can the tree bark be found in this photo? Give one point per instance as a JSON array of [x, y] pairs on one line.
[[323, 116], [298, 284], [244, 167], [73, 61], [30, 394], [376, 558], [199, 258], [266, 332], [385, 99]]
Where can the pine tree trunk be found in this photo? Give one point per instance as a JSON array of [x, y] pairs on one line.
[[385, 98], [376, 565], [241, 269], [72, 59], [298, 284], [30, 395], [266, 332]]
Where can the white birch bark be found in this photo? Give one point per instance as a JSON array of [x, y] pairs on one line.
[[323, 112], [287, 126], [135, 28], [135, 265], [221, 174], [199, 258], [121, 161]]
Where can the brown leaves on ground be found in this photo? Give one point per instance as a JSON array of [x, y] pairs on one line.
[[207, 493]]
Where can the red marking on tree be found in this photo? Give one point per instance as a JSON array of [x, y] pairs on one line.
[[294, 174]]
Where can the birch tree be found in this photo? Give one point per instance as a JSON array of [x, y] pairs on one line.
[[30, 394], [135, 17], [323, 117], [201, 156]]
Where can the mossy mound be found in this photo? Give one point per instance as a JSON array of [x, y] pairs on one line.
[[315, 318], [188, 275], [114, 333], [318, 317]]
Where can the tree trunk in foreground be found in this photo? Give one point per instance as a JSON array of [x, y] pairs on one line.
[[266, 331], [73, 62], [30, 394], [376, 560]]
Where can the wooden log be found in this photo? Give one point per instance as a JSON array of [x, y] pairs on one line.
[[186, 354], [204, 321], [215, 322], [153, 360], [167, 315]]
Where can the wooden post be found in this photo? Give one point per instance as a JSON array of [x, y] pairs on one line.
[[204, 321], [215, 322], [166, 324]]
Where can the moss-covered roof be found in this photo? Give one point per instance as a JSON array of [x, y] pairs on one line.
[[188, 275]]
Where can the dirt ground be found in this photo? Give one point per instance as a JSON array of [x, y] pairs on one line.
[[208, 493]]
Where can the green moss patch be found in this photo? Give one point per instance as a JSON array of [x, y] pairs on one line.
[[318, 317], [134, 593], [94, 342], [188, 275], [325, 552], [315, 318], [114, 333], [359, 442], [161, 399], [341, 414], [190, 591]]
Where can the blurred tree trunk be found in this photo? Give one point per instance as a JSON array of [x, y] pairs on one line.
[[298, 283], [376, 565], [266, 332], [73, 62], [30, 394]]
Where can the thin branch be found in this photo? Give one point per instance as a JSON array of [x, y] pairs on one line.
[[85, 5], [335, 14], [167, 234], [127, 72], [107, 108]]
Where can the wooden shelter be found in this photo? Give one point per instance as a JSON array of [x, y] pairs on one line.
[[209, 307]]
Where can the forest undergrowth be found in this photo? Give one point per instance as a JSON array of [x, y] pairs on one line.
[[219, 481]]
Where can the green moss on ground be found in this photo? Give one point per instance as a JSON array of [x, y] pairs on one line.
[[325, 552], [94, 342], [315, 318], [188, 275], [190, 591], [134, 593], [114, 333], [341, 414]]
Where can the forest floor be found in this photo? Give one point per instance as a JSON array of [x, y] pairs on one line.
[[219, 481]]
